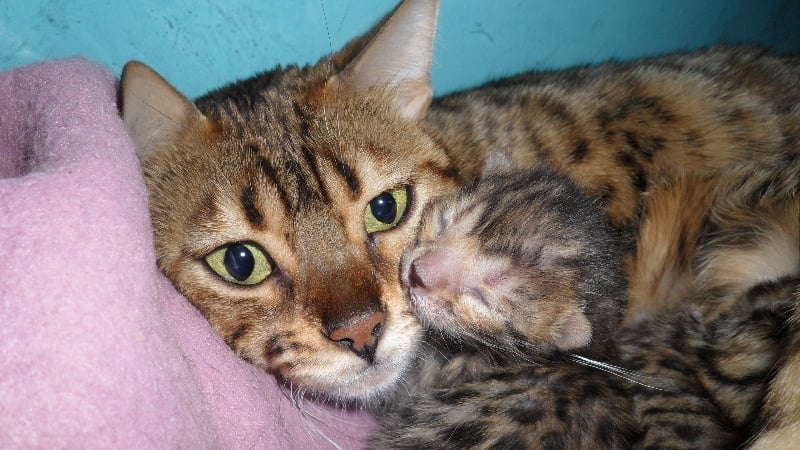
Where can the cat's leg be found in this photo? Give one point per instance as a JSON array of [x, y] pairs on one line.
[[661, 270]]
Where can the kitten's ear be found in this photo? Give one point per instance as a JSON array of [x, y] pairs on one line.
[[154, 112], [575, 333], [398, 59]]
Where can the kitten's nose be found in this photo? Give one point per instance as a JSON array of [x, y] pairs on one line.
[[433, 270], [361, 334]]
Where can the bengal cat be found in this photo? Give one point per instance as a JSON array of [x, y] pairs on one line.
[[509, 270], [281, 204]]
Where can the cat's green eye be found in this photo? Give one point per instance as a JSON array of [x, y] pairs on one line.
[[385, 211], [240, 263]]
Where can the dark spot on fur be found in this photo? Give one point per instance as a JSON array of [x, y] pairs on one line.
[[627, 160], [631, 140], [655, 106], [640, 182], [454, 396], [689, 433], [603, 117], [645, 145], [607, 194], [555, 109], [606, 435], [693, 138], [553, 441], [656, 143], [589, 390], [579, 152], [240, 331], [733, 115], [526, 411], [562, 406]]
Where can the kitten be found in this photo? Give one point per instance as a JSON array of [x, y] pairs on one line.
[[517, 235], [281, 204], [501, 273]]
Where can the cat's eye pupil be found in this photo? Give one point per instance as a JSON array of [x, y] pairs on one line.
[[384, 207], [239, 261]]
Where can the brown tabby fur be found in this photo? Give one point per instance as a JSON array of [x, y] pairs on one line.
[[696, 386], [289, 159], [513, 243]]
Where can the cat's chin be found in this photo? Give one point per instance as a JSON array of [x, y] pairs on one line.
[[350, 381]]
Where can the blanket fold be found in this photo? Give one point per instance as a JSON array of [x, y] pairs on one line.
[[97, 349]]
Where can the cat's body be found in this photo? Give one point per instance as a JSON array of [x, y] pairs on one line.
[[282, 204], [484, 268], [691, 385]]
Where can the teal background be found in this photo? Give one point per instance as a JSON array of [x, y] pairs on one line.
[[199, 45]]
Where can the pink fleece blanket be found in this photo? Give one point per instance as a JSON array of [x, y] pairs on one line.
[[97, 350]]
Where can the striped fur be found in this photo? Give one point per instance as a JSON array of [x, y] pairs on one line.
[[289, 160], [691, 385], [682, 379]]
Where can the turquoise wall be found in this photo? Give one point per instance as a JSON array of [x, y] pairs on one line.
[[200, 45]]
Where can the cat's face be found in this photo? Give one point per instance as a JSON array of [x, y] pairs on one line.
[[519, 261], [281, 207]]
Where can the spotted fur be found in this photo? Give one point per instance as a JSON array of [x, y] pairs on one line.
[[680, 379], [288, 160], [691, 385]]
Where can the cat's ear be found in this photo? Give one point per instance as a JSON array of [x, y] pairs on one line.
[[154, 112], [575, 333], [398, 59]]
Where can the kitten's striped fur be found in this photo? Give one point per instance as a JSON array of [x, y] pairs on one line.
[[491, 263], [289, 160]]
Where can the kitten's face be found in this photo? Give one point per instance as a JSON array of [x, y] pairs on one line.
[[519, 261], [281, 205]]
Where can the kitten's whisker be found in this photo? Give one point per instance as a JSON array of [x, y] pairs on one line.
[[626, 374]]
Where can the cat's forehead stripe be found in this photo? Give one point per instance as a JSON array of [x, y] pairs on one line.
[[348, 174], [269, 171], [248, 200]]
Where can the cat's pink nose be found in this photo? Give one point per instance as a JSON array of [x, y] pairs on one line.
[[360, 334]]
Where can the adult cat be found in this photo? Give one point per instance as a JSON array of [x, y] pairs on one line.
[[281, 204]]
